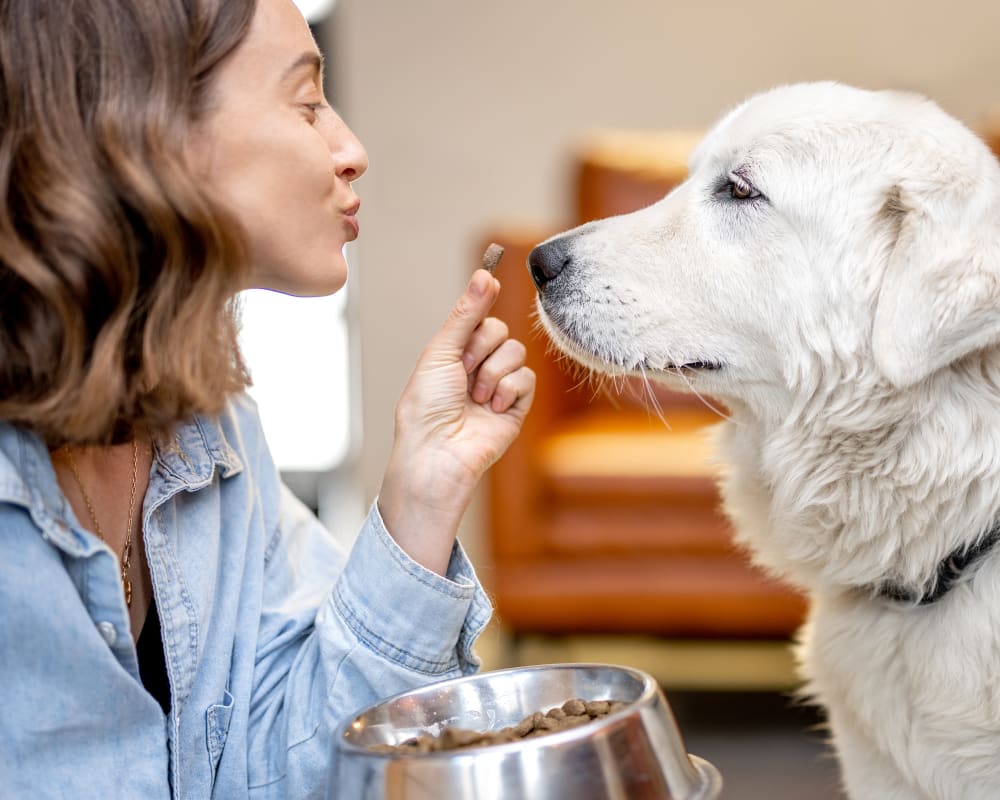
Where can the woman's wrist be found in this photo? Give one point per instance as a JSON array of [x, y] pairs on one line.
[[422, 505]]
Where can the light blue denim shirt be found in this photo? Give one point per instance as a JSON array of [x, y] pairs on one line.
[[271, 634]]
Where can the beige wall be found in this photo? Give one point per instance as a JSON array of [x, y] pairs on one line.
[[468, 109]]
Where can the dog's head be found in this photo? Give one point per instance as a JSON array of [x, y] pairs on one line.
[[821, 227]]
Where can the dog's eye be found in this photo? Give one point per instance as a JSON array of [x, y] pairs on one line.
[[740, 189]]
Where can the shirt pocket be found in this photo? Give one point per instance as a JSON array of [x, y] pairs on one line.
[[217, 729]]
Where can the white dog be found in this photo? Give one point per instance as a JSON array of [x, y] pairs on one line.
[[831, 271]]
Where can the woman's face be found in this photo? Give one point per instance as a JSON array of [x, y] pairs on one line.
[[280, 158]]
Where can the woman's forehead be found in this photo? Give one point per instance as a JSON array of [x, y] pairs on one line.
[[278, 45]]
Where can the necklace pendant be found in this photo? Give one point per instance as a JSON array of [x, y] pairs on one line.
[[128, 590]]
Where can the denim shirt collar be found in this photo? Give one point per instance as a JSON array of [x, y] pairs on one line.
[[196, 449], [186, 462]]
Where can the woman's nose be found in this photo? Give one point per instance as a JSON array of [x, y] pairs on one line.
[[349, 156]]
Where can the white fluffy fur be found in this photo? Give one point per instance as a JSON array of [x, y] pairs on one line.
[[855, 313]]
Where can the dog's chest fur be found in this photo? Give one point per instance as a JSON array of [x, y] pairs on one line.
[[839, 502], [848, 495]]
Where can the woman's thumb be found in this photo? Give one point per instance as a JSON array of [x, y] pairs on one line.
[[470, 309]]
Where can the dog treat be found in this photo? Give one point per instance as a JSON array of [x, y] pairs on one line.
[[492, 257], [568, 715]]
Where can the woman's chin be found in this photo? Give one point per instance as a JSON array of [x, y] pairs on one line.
[[331, 278]]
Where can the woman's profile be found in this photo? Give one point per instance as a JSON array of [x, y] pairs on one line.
[[175, 622]]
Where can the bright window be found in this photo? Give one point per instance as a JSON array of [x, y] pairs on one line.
[[297, 352], [314, 10]]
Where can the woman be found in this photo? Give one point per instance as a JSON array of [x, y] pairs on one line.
[[174, 623]]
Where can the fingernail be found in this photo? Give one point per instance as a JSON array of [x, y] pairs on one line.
[[477, 286], [467, 361]]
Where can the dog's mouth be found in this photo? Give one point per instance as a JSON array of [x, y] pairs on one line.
[[610, 360], [701, 365], [650, 365]]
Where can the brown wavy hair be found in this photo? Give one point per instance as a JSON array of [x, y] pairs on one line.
[[117, 271]]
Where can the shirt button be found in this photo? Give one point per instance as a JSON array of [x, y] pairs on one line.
[[108, 632]]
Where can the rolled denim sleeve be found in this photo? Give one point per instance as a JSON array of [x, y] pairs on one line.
[[388, 625], [451, 610]]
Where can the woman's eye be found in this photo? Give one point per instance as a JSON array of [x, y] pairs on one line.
[[314, 108]]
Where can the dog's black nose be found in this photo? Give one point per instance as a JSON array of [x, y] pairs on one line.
[[547, 260]]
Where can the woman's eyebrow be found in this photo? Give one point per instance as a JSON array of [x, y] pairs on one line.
[[310, 59]]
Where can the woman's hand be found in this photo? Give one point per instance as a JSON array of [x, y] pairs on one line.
[[460, 410]]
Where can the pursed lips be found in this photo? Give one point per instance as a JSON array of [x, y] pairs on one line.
[[350, 215]]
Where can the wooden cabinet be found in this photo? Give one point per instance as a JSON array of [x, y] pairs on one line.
[[602, 518]]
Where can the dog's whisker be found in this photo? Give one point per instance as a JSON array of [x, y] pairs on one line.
[[650, 395], [603, 387], [612, 388], [681, 373], [583, 378]]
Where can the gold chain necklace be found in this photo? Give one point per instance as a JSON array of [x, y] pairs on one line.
[[127, 551]]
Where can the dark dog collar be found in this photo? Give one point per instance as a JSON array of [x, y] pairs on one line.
[[948, 573]]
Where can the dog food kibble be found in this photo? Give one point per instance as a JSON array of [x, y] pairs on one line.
[[492, 257], [569, 715]]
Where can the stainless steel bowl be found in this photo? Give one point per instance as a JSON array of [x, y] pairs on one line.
[[635, 753]]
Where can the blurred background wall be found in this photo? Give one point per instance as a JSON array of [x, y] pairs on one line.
[[469, 110]]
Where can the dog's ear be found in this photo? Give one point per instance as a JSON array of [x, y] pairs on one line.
[[939, 298]]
